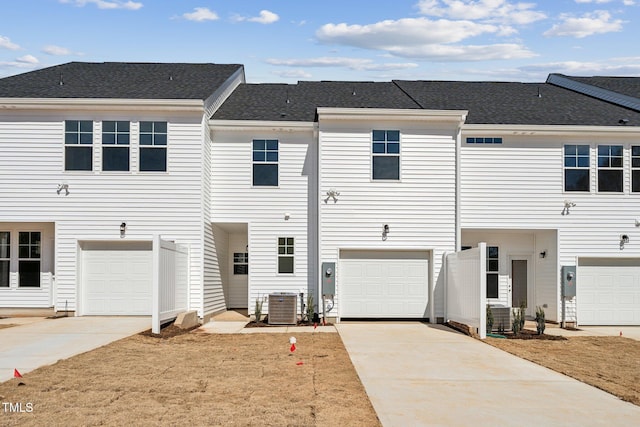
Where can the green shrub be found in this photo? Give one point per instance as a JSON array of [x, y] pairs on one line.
[[540, 322]]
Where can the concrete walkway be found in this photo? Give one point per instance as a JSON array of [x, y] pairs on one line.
[[427, 375], [45, 341]]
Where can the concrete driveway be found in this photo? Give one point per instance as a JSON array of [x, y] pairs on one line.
[[417, 375], [31, 345]]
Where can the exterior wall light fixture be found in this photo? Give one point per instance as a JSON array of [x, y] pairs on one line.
[[624, 238], [123, 229]]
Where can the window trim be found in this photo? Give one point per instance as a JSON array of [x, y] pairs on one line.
[[565, 168], [153, 145], [30, 258], [610, 168], [78, 144], [286, 255], [385, 154], [7, 259], [634, 168], [495, 272], [265, 162], [244, 262], [116, 145]]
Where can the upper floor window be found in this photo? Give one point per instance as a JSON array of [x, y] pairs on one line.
[[115, 145], [78, 145], [285, 255], [610, 168], [635, 168], [265, 162], [576, 168], [153, 146], [493, 264], [5, 258], [29, 243], [484, 140], [386, 154]]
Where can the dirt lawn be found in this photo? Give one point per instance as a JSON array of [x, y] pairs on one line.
[[609, 363], [197, 379]]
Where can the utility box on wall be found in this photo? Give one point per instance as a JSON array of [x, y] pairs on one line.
[[328, 278], [568, 273]]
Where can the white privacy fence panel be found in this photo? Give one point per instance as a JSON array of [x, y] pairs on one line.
[[466, 288], [170, 281]]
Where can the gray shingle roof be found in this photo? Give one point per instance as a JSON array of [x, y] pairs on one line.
[[120, 80], [622, 91], [517, 103], [487, 102], [298, 102], [629, 86]]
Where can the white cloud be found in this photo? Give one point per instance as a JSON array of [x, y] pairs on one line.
[[201, 14], [482, 10], [265, 17], [107, 4], [611, 67], [425, 39], [403, 32], [351, 63], [593, 1], [598, 22], [28, 59], [6, 43], [57, 50], [293, 74]]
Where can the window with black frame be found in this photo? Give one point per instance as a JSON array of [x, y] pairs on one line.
[[493, 266], [115, 145], [78, 145], [385, 155], [576, 168]]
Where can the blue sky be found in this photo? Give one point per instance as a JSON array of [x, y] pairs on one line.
[[291, 40]]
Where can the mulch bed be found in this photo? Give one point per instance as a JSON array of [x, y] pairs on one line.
[[527, 334]]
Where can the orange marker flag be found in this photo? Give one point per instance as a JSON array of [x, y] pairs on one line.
[[16, 374]]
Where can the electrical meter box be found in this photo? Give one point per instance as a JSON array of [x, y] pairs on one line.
[[568, 280], [328, 278]]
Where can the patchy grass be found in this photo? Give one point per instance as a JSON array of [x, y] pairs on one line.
[[609, 363], [197, 379]]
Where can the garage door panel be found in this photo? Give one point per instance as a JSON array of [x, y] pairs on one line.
[[383, 284], [608, 292], [116, 281]]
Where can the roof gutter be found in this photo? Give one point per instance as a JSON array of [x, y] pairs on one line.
[[269, 125], [102, 104], [493, 129], [329, 113]]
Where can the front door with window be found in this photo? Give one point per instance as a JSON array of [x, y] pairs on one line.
[[519, 285]]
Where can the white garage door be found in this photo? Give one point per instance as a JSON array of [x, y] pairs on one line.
[[608, 291], [116, 278], [378, 284]]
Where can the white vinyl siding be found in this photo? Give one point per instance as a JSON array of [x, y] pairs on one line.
[[165, 204], [420, 209], [263, 209], [518, 185]]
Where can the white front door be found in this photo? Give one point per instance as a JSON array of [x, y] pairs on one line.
[[383, 284]]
